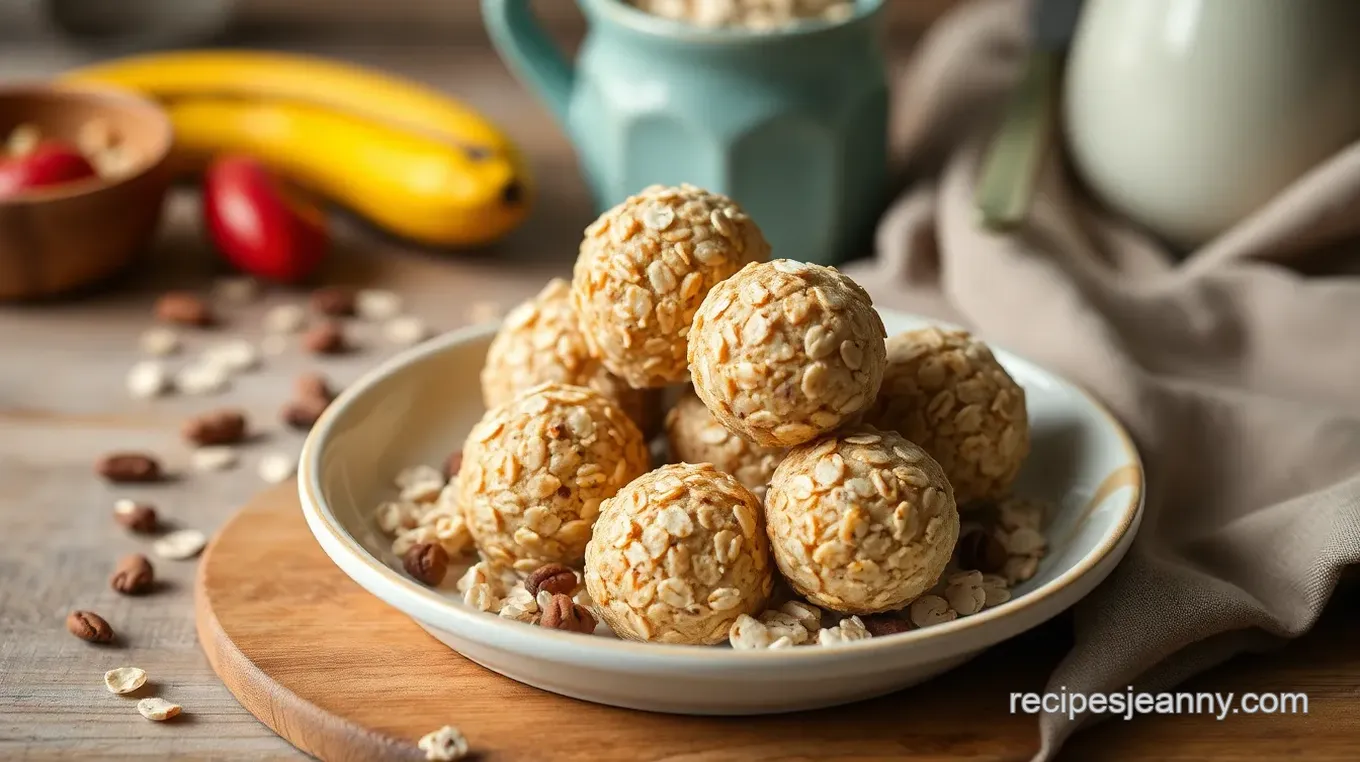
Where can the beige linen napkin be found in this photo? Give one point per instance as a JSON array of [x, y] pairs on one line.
[[1237, 373]]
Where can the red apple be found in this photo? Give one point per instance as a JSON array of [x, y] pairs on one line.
[[51, 163], [260, 224]]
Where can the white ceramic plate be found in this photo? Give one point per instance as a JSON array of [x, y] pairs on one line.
[[419, 407]]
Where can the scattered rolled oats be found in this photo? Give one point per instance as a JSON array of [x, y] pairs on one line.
[[861, 522], [782, 642], [945, 391], [645, 266], [273, 345], [1020, 568], [406, 330], [807, 615], [233, 355], [394, 516], [419, 474], [277, 467], [748, 633], [678, 555], [931, 609], [124, 679], [1014, 513], [148, 379], [480, 597], [996, 590], [541, 341], [180, 545], [158, 709], [409, 538], [285, 318], [785, 626], [695, 436], [159, 341], [214, 458], [965, 593], [201, 378], [783, 352], [521, 606], [444, 745], [377, 304], [536, 470], [847, 630]]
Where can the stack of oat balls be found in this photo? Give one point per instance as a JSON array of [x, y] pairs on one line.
[[816, 472]]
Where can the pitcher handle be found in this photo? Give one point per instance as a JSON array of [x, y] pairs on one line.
[[530, 53]]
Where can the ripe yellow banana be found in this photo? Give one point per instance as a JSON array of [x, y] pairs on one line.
[[411, 160]]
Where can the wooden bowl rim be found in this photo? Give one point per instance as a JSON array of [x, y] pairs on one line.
[[103, 97]]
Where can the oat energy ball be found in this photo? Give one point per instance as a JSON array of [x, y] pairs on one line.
[[541, 341], [643, 269], [536, 470], [782, 352], [946, 392], [861, 522], [695, 436], [678, 555]]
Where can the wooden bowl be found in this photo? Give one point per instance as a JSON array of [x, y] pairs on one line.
[[56, 239]]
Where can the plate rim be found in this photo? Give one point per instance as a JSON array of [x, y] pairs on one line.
[[436, 609]]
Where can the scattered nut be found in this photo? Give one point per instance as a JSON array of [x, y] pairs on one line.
[[128, 468], [444, 745], [562, 613], [219, 427], [184, 308], [427, 562], [325, 338], [124, 680], [159, 342], [133, 576], [313, 385], [180, 545], [215, 458], [334, 301], [135, 516], [979, 549], [555, 578], [277, 467], [302, 413], [880, 625], [89, 627], [158, 709]]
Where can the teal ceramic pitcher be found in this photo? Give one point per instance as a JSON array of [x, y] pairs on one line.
[[792, 124]]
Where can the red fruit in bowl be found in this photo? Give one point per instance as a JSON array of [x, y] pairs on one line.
[[260, 224], [51, 163]]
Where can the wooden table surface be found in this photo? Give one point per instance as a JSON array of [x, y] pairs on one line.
[[62, 404]]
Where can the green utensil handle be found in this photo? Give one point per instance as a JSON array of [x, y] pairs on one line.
[[531, 53]]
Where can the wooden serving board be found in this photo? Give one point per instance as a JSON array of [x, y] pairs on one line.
[[343, 676]]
